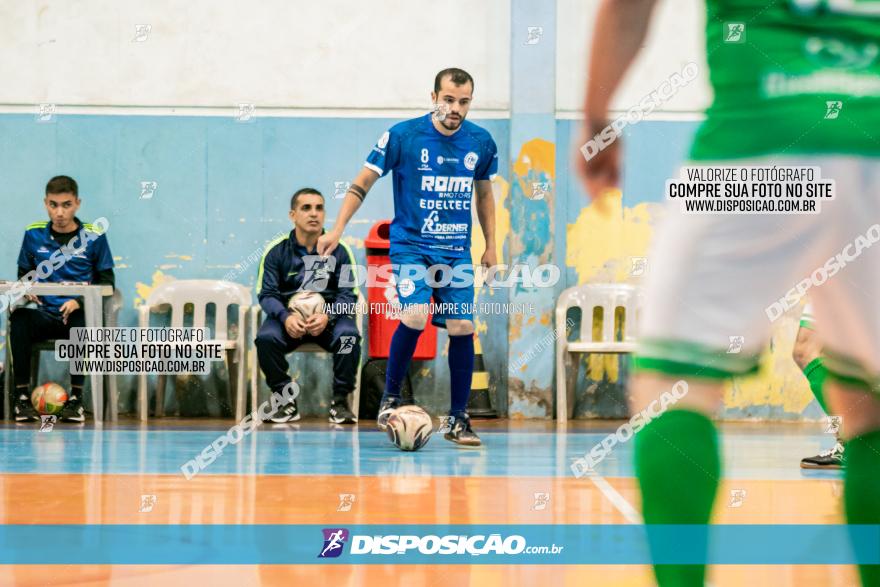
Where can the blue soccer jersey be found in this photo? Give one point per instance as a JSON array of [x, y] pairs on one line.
[[80, 260], [434, 181]]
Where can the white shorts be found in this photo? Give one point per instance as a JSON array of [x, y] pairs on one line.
[[717, 281]]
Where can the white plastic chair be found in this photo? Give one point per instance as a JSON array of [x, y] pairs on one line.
[[609, 297], [112, 305], [309, 347], [200, 293]]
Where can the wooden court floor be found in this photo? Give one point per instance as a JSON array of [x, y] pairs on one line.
[[295, 474]]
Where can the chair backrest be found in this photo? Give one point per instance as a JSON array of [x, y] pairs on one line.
[[200, 293], [609, 297]]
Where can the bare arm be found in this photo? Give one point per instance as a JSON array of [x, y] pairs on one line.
[[621, 27], [486, 216], [353, 200]]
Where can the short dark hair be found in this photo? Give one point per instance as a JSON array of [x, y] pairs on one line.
[[302, 192], [61, 184], [458, 76]]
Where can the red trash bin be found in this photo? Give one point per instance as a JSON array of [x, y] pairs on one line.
[[381, 290]]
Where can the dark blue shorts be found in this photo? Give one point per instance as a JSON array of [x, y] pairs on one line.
[[448, 280]]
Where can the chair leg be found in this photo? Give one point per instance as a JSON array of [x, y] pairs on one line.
[[561, 378], [356, 396], [255, 380], [253, 372], [160, 395], [7, 379], [572, 361], [230, 372], [143, 398], [235, 391], [113, 392], [35, 368], [97, 388], [241, 383]]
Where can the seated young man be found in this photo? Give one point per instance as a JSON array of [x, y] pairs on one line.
[[291, 265], [84, 256]]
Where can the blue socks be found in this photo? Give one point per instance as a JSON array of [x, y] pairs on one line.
[[403, 345], [461, 371], [461, 365]]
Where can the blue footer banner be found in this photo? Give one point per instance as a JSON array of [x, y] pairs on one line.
[[442, 544]]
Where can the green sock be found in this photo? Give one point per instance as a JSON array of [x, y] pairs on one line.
[[816, 372], [678, 466], [862, 488]]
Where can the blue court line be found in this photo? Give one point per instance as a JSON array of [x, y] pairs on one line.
[[368, 453], [460, 544]]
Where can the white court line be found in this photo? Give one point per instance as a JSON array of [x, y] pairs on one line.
[[624, 507]]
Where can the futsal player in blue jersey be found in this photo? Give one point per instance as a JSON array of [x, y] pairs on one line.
[[439, 161]]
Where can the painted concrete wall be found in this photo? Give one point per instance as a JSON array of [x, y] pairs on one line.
[[273, 53], [223, 186], [223, 191]]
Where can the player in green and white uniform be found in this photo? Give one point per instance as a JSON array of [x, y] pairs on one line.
[[796, 83], [807, 354], [778, 73]]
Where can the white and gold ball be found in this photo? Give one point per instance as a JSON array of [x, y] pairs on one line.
[[409, 427], [306, 303]]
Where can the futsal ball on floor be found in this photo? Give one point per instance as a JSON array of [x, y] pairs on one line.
[[306, 303], [49, 398], [409, 427]]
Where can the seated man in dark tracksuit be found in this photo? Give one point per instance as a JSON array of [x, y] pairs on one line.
[[290, 265], [67, 250]]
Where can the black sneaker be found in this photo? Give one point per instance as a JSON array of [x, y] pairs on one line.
[[388, 405], [24, 410], [827, 459], [73, 410], [340, 414], [460, 431], [289, 412]]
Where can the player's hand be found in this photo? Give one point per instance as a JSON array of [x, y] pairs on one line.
[[316, 323], [327, 243], [295, 326], [33, 298], [490, 258], [600, 175], [68, 308]]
